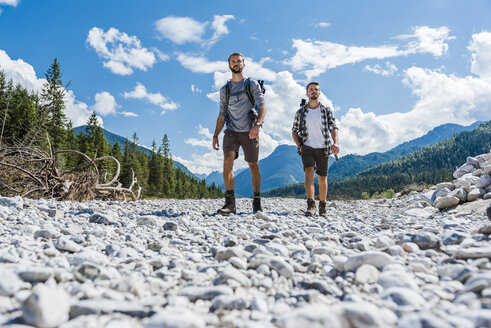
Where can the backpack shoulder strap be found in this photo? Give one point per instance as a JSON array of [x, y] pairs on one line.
[[247, 83], [227, 92]]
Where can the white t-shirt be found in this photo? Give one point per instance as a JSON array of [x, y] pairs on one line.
[[313, 122]]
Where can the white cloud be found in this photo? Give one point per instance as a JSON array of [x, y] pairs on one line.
[[389, 69], [140, 92], [160, 54], [180, 29], [316, 57], [128, 114], [481, 54], [323, 24], [220, 28], [105, 104], [9, 2], [194, 89], [120, 52], [76, 111], [20, 72], [428, 40], [441, 99], [198, 64]]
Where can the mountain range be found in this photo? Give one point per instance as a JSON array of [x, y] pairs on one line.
[[284, 167], [112, 138], [426, 166]]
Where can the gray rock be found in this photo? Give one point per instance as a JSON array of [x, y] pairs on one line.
[[231, 273], [46, 234], [100, 218], [106, 306], [479, 318], [429, 196], [460, 193], [64, 244], [464, 169], [367, 273], [9, 282], [446, 202], [204, 293], [474, 194], [46, 307], [228, 303], [404, 297], [35, 274], [473, 252], [443, 185], [389, 279], [147, 220], [484, 181], [443, 192], [454, 237], [171, 226], [175, 317], [422, 319], [426, 240], [375, 258]]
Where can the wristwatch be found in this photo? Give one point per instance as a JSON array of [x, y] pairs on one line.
[[258, 124]]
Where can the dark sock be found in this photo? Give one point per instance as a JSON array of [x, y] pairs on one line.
[[257, 195], [230, 192]]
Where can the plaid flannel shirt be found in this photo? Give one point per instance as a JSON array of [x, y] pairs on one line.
[[328, 124]]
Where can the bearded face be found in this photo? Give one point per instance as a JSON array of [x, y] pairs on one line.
[[236, 64]]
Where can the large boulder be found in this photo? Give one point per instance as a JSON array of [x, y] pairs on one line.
[[484, 181], [466, 180], [464, 169], [446, 202]]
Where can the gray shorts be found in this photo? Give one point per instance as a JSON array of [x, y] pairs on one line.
[[315, 157], [232, 141]]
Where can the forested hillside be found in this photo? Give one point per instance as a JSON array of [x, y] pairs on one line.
[[429, 165], [29, 119]]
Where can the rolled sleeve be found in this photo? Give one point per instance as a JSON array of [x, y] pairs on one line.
[[296, 123], [257, 94], [331, 120]]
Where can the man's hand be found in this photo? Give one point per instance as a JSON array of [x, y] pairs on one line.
[[335, 149], [254, 133], [216, 144]]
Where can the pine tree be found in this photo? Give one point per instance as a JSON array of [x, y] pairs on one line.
[[155, 168], [52, 95], [169, 174]]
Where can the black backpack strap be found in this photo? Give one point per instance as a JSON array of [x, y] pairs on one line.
[[247, 83], [227, 92]]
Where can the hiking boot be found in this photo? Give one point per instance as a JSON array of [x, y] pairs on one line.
[[256, 204], [229, 207], [322, 208], [311, 209]]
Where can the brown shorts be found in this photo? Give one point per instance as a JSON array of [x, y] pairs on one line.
[[232, 141], [314, 157]]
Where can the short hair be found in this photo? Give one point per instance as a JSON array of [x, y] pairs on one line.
[[314, 83], [235, 54]]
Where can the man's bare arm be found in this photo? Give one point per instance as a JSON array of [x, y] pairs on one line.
[[335, 139], [218, 129], [254, 133]]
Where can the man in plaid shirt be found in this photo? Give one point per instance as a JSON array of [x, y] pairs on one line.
[[310, 133]]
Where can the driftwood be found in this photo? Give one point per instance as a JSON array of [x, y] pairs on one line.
[[31, 172]]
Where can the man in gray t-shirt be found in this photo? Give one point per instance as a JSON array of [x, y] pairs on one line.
[[243, 119]]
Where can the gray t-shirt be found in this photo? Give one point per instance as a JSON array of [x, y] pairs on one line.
[[239, 106]]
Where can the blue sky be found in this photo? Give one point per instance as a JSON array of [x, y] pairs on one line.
[[391, 70]]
